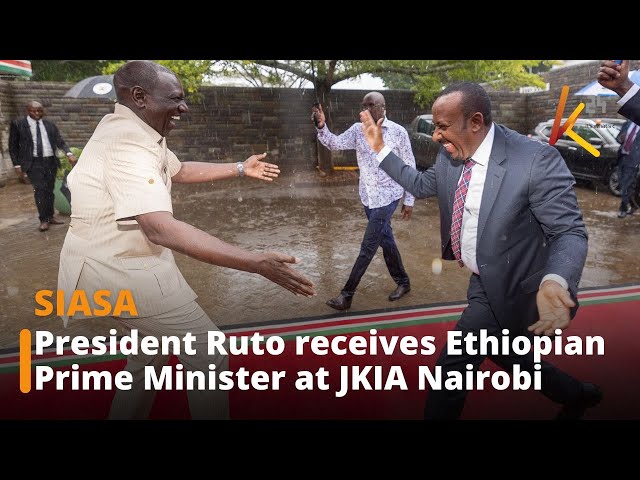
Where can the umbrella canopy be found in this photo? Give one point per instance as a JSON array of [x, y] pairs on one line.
[[15, 67], [100, 86], [594, 89]]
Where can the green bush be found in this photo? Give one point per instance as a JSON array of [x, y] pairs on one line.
[[65, 164]]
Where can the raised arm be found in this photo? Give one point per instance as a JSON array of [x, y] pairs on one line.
[[420, 184]]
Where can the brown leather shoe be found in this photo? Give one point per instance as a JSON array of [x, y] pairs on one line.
[[340, 302], [399, 292], [44, 226], [55, 221]]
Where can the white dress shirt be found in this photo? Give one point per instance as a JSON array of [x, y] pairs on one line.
[[47, 151]]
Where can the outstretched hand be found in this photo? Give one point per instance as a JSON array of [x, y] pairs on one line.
[[255, 168], [615, 77], [274, 267], [554, 307], [372, 131]]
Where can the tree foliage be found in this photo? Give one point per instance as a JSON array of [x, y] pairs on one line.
[[65, 70], [425, 77], [190, 72]]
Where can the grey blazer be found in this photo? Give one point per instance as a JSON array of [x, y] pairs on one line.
[[529, 226]]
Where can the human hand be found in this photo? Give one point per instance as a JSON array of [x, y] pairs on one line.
[[615, 77], [19, 172], [253, 167], [372, 131], [554, 307], [406, 212], [72, 160], [318, 113], [273, 266]]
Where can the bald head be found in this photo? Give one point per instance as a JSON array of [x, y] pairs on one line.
[[140, 73], [35, 110], [374, 102]]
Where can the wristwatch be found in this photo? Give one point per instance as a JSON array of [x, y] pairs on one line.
[[240, 168]]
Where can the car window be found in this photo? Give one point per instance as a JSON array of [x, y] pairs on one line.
[[614, 130], [586, 132], [425, 126]]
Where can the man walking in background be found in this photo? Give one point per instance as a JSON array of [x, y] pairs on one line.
[[379, 194]]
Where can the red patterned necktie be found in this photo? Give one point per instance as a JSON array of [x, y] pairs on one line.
[[458, 209], [628, 143]]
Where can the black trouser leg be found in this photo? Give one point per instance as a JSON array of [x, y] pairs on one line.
[[379, 220], [43, 177], [448, 405]]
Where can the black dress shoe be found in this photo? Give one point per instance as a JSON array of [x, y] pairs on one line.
[[340, 302], [591, 396], [399, 292]]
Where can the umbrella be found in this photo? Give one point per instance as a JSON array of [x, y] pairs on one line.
[[15, 67], [100, 86], [595, 89]]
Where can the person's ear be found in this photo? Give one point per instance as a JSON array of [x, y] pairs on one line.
[[138, 95], [477, 121]]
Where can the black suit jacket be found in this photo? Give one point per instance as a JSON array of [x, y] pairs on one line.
[[631, 110], [529, 224], [21, 142]]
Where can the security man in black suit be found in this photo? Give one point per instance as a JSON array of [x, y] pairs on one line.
[[32, 146]]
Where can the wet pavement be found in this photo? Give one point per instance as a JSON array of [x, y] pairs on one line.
[[319, 221]]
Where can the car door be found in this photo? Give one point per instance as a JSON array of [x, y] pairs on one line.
[[424, 148], [586, 164]]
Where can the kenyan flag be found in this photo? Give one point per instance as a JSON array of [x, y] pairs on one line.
[[15, 67]]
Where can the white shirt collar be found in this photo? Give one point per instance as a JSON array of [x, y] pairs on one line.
[[482, 154]]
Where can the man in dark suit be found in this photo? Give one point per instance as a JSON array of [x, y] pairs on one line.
[[615, 77], [33, 142], [508, 212], [628, 161]]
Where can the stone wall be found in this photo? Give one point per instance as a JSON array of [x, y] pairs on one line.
[[231, 123]]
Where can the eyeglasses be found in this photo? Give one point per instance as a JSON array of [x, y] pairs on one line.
[[368, 106]]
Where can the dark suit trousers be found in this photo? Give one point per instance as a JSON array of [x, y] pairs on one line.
[[43, 178], [377, 234], [447, 405], [627, 170]]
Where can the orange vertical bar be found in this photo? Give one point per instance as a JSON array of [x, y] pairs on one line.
[[25, 360]]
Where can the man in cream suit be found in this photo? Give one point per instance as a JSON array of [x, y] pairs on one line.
[[122, 230], [509, 214]]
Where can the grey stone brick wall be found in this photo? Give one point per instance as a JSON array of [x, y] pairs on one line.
[[231, 123]]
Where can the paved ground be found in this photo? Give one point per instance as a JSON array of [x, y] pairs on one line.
[[319, 220]]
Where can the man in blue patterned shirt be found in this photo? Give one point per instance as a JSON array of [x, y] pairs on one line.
[[380, 195]]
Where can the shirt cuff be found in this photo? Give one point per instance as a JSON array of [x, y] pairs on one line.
[[632, 91], [555, 278], [383, 153]]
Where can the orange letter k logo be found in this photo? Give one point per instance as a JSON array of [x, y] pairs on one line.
[[558, 130]]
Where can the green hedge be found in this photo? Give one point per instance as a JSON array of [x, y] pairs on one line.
[[65, 165]]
